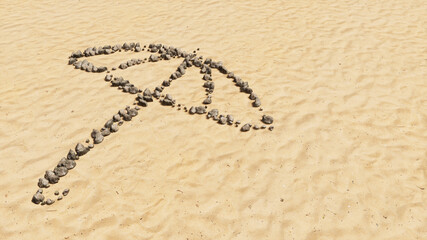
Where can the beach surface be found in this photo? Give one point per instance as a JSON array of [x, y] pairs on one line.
[[346, 83]]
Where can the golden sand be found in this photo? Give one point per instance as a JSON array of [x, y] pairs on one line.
[[346, 82]]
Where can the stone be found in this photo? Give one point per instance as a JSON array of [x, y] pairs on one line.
[[116, 117], [60, 171], [246, 127], [114, 127], [37, 198], [200, 110], [97, 136], [256, 103], [238, 122], [133, 112], [168, 100], [90, 146], [49, 201], [43, 183], [51, 177], [156, 94], [126, 46], [81, 150], [87, 141], [123, 66], [209, 85], [153, 58], [212, 113], [65, 192], [222, 120], [105, 132], [126, 117], [109, 123], [267, 119], [192, 110], [59, 198], [271, 128], [208, 100], [72, 155], [252, 96], [166, 83], [69, 164], [142, 102], [56, 193], [263, 127], [72, 61], [207, 77], [147, 96], [256, 127], [230, 119]]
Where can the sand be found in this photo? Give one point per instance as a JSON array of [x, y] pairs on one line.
[[346, 82]]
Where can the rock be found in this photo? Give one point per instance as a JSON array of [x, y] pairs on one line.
[[72, 61], [253, 96], [230, 75], [200, 110], [256, 127], [72, 155], [51, 177], [56, 193], [208, 61], [137, 108], [37, 198], [208, 100], [101, 69], [256, 103], [168, 100], [87, 141], [222, 120], [60, 171], [156, 94], [105, 132], [137, 49], [114, 127], [97, 136], [133, 112], [123, 66], [263, 127], [147, 95], [246, 127], [153, 58], [116, 118], [81, 150], [207, 77], [40, 190], [267, 119], [166, 83], [109, 123], [126, 46], [238, 122], [43, 183], [77, 54], [192, 110], [59, 198], [126, 117], [65, 192], [212, 113], [142, 102], [90, 146], [209, 85], [69, 164], [230, 119], [49, 201], [271, 128]]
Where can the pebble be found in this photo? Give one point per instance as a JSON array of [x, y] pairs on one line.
[[56, 192], [51, 177], [90, 146], [65, 192], [69, 164], [257, 102], [246, 127], [212, 113], [114, 127], [222, 120], [256, 127], [267, 119], [49, 201], [105, 132], [37, 198], [43, 183], [200, 110], [72, 155], [208, 100], [230, 119], [97, 136], [59, 198], [192, 110], [81, 150], [271, 128], [60, 171]]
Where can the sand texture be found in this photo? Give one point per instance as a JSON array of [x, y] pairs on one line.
[[346, 83]]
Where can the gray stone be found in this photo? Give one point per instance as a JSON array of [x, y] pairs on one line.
[[166, 83], [133, 112], [209, 85], [60, 171], [51, 177], [43, 183], [267, 119], [69, 164], [65, 192], [109, 123], [200, 110], [212, 113], [81, 150], [256, 103], [49, 201], [230, 119], [153, 58], [90, 146], [37, 198], [147, 96], [168, 100], [116, 117], [105, 132], [114, 127], [271, 128], [256, 127], [192, 110], [59, 198], [246, 127], [263, 127], [222, 120], [56, 193], [72, 155], [97, 136], [208, 100], [123, 66], [252, 96]]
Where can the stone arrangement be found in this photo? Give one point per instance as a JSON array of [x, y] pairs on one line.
[[158, 52]]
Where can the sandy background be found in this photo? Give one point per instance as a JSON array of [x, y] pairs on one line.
[[346, 82]]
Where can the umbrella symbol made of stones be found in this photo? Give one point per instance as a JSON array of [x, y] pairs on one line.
[[143, 98]]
